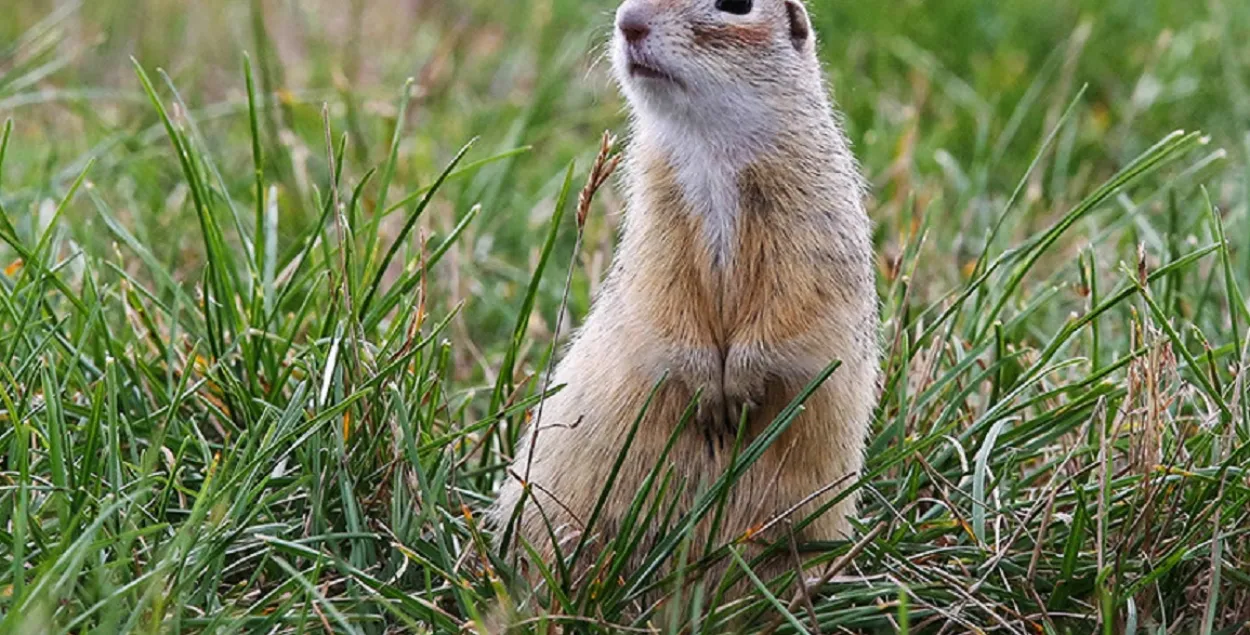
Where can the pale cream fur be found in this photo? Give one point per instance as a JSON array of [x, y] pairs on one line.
[[745, 267]]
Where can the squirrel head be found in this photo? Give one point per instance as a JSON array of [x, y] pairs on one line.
[[716, 65]]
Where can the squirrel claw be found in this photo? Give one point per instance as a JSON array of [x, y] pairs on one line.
[[720, 419], [711, 413]]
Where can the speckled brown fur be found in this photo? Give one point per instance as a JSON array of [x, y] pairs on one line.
[[718, 36]]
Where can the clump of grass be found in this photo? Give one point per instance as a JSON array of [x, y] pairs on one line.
[[259, 375]]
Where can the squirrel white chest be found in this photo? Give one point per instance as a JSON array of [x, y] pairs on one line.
[[706, 161], [708, 181], [711, 191]]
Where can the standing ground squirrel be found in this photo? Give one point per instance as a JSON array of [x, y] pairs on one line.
[[744, 269]]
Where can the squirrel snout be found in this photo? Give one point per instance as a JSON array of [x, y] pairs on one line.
[[634, 23]]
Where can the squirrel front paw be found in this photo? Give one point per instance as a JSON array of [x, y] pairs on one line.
[[720, 413], [710, 415]]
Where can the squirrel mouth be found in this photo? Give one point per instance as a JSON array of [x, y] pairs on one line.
[[638, 69]]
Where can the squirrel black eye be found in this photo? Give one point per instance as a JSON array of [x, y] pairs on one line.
[[736, 7]]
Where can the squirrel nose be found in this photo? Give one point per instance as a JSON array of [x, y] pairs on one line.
[[633, 23]]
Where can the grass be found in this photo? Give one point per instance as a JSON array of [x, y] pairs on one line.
[[270, 324]]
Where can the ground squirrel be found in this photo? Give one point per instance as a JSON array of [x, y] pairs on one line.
[[744, 269]]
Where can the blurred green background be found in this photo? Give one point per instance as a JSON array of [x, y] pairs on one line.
[[949, 104]]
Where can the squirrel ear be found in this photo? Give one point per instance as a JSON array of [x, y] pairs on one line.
[[800, 24]]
